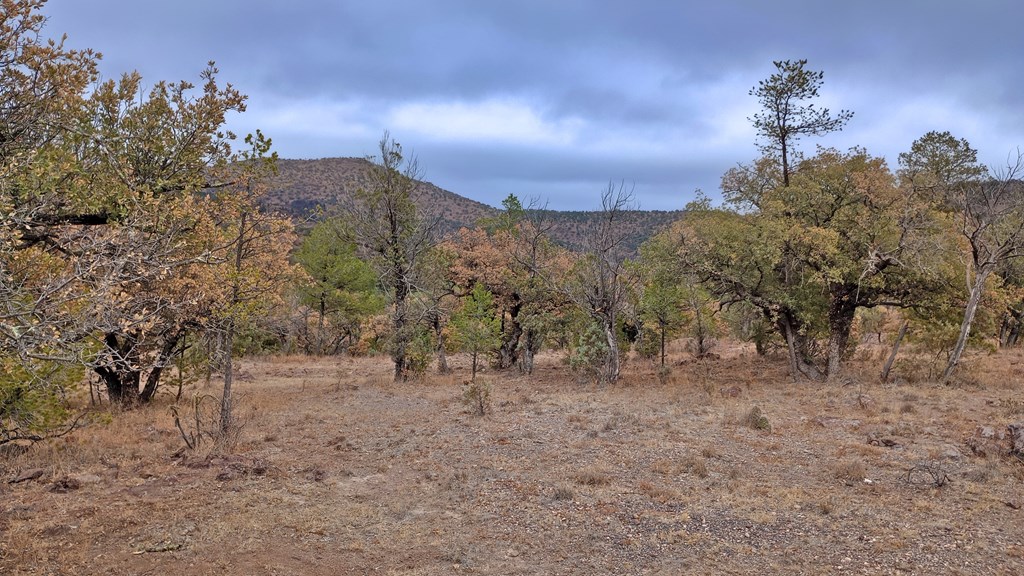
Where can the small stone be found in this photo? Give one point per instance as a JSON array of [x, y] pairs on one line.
[[1016, 438], [731, 391], [84, 479], [31, 474], [65, 485]]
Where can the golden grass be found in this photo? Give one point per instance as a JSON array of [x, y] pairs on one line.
[[337, 469]]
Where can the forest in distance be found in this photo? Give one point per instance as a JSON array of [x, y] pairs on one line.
[[134, 244]]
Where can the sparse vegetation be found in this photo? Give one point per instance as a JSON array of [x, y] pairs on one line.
[[135, 243]]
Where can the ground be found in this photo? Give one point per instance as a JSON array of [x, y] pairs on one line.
[[337, 470]]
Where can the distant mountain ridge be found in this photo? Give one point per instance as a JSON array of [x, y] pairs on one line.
[[301, 187]]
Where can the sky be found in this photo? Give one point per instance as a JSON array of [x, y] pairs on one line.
[[552, 100]]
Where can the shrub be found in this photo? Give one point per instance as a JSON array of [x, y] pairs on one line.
[[477, 395]]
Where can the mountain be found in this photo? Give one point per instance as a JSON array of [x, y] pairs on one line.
[[303, 186]]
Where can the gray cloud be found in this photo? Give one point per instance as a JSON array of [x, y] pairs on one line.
[[556, 98]]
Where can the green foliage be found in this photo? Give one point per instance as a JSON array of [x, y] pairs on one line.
[[476, 328], [589, 356], [341, 289], [420, 352], [33, 397], [785, 117], [477, 395]]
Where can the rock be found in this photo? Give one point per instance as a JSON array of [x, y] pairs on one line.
[[987, 441], [31, 474], [875, 439], [731, 391], [951, 452], [866, 402], [85, 479], [1016, 438], [65, 485]]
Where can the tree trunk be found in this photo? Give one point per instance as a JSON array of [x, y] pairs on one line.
[[965, 327], [612, 367], [895, 350], [509, 350], [661, 327], [226, 401], [120, 375], [842, 312], [530, 344], [153, 379], [442, 360], [400, 346], [797, 347], [786, 327]]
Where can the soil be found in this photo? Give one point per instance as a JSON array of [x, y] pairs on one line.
[[337, 470]]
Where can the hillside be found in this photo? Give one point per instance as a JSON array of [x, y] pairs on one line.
[[302, 186]]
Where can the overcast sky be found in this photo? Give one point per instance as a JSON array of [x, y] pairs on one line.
[[555, 98]]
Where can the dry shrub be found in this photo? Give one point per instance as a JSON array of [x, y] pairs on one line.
[[657, 493], [593, 477], [563, 492], [696, 466], [709, 452], [850, 471]]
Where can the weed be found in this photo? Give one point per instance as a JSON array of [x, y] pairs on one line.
[[850, 471], [696, 466], [592, 477], [563, 492]]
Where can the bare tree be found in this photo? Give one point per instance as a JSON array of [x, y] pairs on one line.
[[991, 218], [600, 282]]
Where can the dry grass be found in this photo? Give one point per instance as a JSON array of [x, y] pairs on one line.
[[338, 470]]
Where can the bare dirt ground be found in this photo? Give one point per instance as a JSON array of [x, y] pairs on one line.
[[340, 471]]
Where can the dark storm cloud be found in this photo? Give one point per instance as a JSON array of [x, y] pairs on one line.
[[557, 98]]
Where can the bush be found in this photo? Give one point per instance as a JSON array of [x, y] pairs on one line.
[[477, 395], [32, 398], [590, 355]]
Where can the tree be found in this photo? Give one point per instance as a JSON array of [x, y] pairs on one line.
[[600, 282], [662, 298], [990, 214], [785, 117], [257, 266], [476, 327], [840, 237], [395, 238], [112, 193], [341, 289]]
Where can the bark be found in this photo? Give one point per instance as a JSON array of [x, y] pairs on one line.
[[530, 344], [842, 311], [786, 327], [442, 360], [661, 326], [120, 375], [400, 320], [895, 350], [153, 379], [508, 352], [226, 400], [965, 327], [612, 366], [797, 348]]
